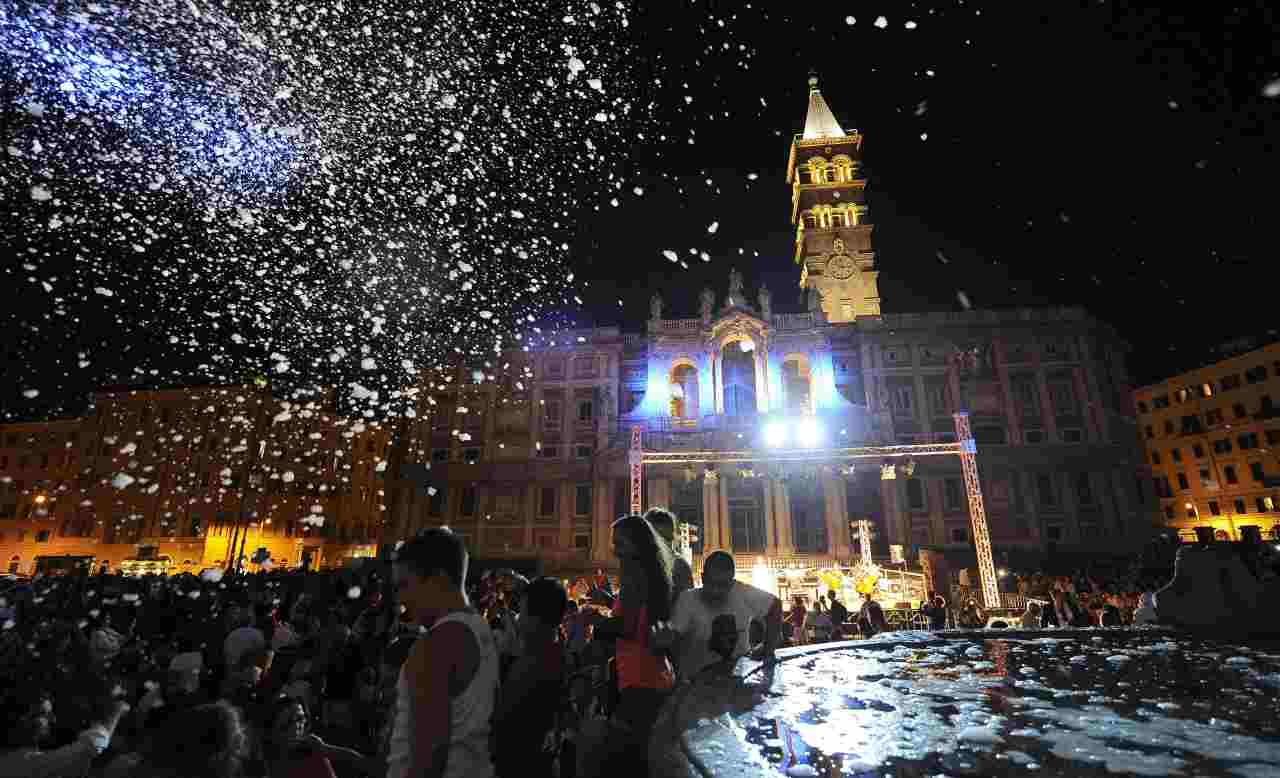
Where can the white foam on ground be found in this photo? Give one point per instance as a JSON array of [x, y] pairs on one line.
[[909, 704]]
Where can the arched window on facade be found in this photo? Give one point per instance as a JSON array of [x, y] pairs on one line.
[[738, 380], [684, 392], [796, 384], [819, 171], [843, 167], [811, 220]]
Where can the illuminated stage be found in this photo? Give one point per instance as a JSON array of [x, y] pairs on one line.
[[775, 454]]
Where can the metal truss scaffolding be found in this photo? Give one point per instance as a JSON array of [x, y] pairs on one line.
[[966, 449]]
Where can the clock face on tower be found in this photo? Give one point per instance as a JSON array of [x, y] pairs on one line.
[[840, 267]]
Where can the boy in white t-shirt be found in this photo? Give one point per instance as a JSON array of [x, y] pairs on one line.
[[712, 624]]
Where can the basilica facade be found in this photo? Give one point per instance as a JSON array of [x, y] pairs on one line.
[[543, 469]]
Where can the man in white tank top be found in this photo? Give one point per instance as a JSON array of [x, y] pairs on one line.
[[449, 684]]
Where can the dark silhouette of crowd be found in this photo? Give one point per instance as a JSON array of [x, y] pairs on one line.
[[416, 666]]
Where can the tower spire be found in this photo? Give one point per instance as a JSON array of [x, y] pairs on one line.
[[819, 122], [829, 210]]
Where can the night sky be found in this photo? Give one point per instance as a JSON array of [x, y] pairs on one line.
[[1096, 154], [1081, 153]]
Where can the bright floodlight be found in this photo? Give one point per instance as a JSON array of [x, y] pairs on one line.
[[809, 433], [775, 434]]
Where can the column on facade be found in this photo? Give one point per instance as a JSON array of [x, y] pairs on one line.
[[953, 388], [894, 524], [726, 530], [1102, 491], [770, 520], [1070, 507], [782, 515], [564, 512], [536, 414], [1081, 389], [1097, 405], [820, 379], [706, 386], [1120, 479], [777, 395], [601, 504], [933, 495], [924, 416], [532, 489], [712, 538], [759, 362], [1012, 414], [1030, 502], [717, 380], [836, 502], [1047, 413], [490, 430]]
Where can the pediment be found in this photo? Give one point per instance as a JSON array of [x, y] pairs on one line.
[[739, 323]]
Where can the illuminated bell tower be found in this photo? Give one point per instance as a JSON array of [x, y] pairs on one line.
[[828, 207]]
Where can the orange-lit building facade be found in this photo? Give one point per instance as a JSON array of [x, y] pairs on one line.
[[179, 473], [1212, 439]]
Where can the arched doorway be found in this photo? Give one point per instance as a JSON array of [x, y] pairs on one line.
[[738, 378], [14, 565], [684, 392], [797, 394]]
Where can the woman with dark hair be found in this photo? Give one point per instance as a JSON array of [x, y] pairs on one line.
[[644, 674]]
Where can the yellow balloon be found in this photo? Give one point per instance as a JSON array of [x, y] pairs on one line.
[[867, 585], [832, 579]]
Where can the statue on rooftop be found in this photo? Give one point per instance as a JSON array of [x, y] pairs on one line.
[[766, 303], [736, 296], [655, 307], [708, 303]]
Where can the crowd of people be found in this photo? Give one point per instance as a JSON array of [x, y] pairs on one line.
[[415, 667], [390, 670]]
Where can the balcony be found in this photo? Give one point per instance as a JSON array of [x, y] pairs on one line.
[[718, 431]]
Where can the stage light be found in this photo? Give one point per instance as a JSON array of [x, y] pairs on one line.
[[775, 434], [809, 433]]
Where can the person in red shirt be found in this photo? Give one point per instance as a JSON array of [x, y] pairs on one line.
[[530, 699], [644, 672]]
